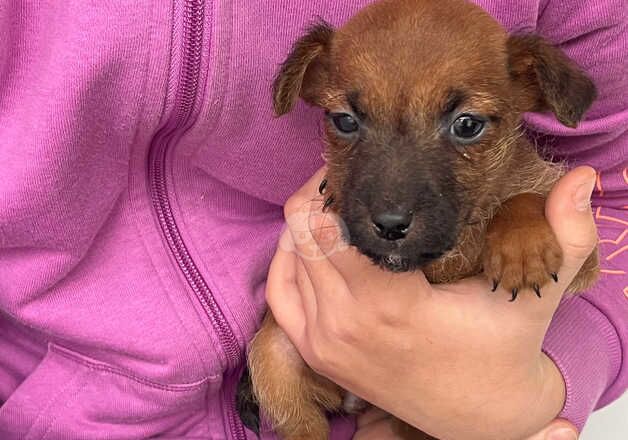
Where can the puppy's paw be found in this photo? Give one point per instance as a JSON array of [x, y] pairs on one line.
[[521, 255]]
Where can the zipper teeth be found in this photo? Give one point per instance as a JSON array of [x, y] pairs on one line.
[[193, 37], [187, 265], [185, 98]]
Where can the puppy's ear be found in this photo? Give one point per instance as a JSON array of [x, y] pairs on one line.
[[303, 73], [549, 80]]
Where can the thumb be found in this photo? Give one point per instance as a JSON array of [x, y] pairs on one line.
[[558, 429], [568, 211]]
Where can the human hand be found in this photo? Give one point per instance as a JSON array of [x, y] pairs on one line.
[[454, 359], [557, 429], [376, 424]]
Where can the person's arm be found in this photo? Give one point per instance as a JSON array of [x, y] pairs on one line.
[[587, 342], [588, 337]]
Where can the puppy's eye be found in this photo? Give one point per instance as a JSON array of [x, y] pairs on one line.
[[344, 122], [467, 128]]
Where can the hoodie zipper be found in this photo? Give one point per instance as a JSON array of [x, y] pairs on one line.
[[185, 97]]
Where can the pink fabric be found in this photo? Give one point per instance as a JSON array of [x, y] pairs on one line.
[[101, 333]]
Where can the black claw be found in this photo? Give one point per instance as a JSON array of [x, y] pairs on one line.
[[537, 290], [322, 186], [328, 203], [495, 284], [555, 276], [515, 292]]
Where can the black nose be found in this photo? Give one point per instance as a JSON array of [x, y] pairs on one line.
[[392, 225]]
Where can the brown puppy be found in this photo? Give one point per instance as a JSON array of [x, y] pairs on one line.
[[428, 166]]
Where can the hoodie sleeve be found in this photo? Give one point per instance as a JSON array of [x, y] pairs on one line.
[[588, 337]]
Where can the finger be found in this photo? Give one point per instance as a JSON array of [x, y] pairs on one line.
[[297, 213], [329, 231], [328, 284], [558, 429], [372, 415], [381, 430], [325, 279], [307, 292], [305, 193], [330, 234], [283, 296], [568, 211]]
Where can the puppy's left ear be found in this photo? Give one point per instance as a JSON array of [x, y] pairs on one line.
[[549, 80], [304, 72]]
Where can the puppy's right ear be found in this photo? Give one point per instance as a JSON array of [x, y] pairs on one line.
[[303, 73]]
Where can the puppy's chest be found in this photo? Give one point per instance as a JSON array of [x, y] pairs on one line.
[[464, 260]]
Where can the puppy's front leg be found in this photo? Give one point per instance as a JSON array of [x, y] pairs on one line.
[[291, 395], [521, 250]]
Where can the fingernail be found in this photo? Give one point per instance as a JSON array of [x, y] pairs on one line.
[[562, 434], [582, 196]]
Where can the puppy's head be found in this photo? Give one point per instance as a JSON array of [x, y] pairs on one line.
[[422, 98]]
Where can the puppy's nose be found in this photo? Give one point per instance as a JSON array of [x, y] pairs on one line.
[[392, 225]]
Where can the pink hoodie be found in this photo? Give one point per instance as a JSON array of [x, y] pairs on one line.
[[141, 182]]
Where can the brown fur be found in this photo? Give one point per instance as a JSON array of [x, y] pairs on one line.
[[400, 65], [293, 397]]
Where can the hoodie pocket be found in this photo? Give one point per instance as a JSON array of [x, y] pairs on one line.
[[71, 396]]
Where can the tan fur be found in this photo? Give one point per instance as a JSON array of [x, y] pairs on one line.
[[506, 234], [293, 397]]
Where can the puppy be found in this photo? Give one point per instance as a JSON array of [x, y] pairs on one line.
[[427, 164]]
